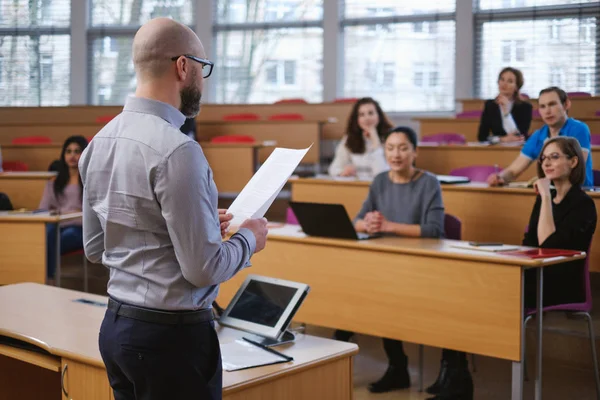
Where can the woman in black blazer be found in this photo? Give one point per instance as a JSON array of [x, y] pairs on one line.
[[506, 118]]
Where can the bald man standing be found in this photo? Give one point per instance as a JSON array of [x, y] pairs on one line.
[[150, 216]]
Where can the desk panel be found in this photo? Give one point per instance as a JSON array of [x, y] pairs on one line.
[[25, 189]]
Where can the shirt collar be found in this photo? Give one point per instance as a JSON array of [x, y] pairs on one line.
[[562, 131], [155, 107]]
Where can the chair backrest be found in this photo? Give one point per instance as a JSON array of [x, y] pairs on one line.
[[536, 113], [476, 173], [32, 140], [346, 100], [444, 138], [291, 101], [452, 227], [524, 96], [104, 119], [290, 217], [15, 166], [579, 94], [469, 114], [598, 113], [595, 139], [241, 117], [286, 117], [233, 139], [596, 180]]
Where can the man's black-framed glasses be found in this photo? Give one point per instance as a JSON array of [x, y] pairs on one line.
[[207, 65]]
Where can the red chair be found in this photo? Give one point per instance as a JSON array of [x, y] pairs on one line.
[[290, 217], [595, 139], [291, 101], [80, 252], [469, 114], [104, 119], [89, 138], [536, 114], [444, 138], [286, 117], [346, 100], [32, 140], [241, 117], [579, 94], [476, 173], [233, 139], [14, 166]]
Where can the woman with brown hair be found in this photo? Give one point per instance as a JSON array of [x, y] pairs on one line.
[[360, 153], [506, 118]]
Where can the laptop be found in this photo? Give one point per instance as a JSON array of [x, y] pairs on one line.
[[326, 220], [449, 179]]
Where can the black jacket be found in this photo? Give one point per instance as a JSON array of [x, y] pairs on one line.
[[575, 221], [491, 119]]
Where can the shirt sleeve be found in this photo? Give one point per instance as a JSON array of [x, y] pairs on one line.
[[187, 195], [530, 238], [432, 225], [575, 231], [47, 201], [369, 203], [529, 149], [523, 117], [93, 232], [341, 158], [378, 163], [582, 134]]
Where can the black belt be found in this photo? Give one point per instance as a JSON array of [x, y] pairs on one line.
[[158, 316]]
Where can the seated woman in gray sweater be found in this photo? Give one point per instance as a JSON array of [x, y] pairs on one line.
[[404, 201]]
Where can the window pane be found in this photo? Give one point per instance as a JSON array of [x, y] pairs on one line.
[[273, 64], [239, 11], [112, 77], [422, 66], [35, 70], [136, 12], [25, 13], [541, 59], [495, 4], [384, 8]]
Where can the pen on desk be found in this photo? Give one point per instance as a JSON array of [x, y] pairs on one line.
[[287, 358]]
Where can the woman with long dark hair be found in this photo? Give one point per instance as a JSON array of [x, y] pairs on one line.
[[63, 195], [360, 152]]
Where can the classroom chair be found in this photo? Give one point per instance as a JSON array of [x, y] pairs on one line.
[[351, 100], [85, 266], [32, 140], [290, 217], [596, 179], [524, 96], [241, 117], [286, 117], [598, 113], [595, 139], [575, 310], [579, 94], [476, 173], [469, 114], [14, 166], [291, 101], [104, 119], [445, 138], [232, 139]]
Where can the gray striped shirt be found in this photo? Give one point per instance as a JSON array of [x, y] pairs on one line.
[[150, 212]]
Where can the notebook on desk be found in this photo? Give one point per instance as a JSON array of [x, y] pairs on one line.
[[544, 253], [449, 179]]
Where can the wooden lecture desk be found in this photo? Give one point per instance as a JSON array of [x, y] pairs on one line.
[[25, 189], [65, 332], [419, 290], [23, 246], [233, 164], [441, 159], [498, 214], [581, 107], [469, 126]]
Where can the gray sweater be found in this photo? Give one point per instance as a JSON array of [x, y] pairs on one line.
[[417, 202]]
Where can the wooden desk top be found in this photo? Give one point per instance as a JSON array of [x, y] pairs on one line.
[[438, 248], [47, 316], [16, 216], [27, 175]]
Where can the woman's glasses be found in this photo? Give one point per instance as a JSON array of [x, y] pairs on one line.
[[552, 157]]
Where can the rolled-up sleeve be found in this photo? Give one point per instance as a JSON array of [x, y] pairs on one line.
[[187, 196]]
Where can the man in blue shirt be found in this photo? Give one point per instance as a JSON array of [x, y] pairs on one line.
[[553, 105]]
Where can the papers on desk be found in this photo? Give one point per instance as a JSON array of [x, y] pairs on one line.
[[493, 248], [240, 354], [288, 230], [262, 189]]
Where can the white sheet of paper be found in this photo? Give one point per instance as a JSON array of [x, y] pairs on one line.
[[262, 189], [240, 354], [492, 249]]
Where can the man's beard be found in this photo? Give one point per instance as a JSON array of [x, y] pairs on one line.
[[190, 99]]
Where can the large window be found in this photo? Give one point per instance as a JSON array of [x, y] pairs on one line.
[[34, 52], [113, 25], [267, 50], [550, 45], [400, 53]]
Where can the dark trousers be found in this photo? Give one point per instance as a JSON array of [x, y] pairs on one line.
[[394, 349], [71, 239], [147, 361]]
